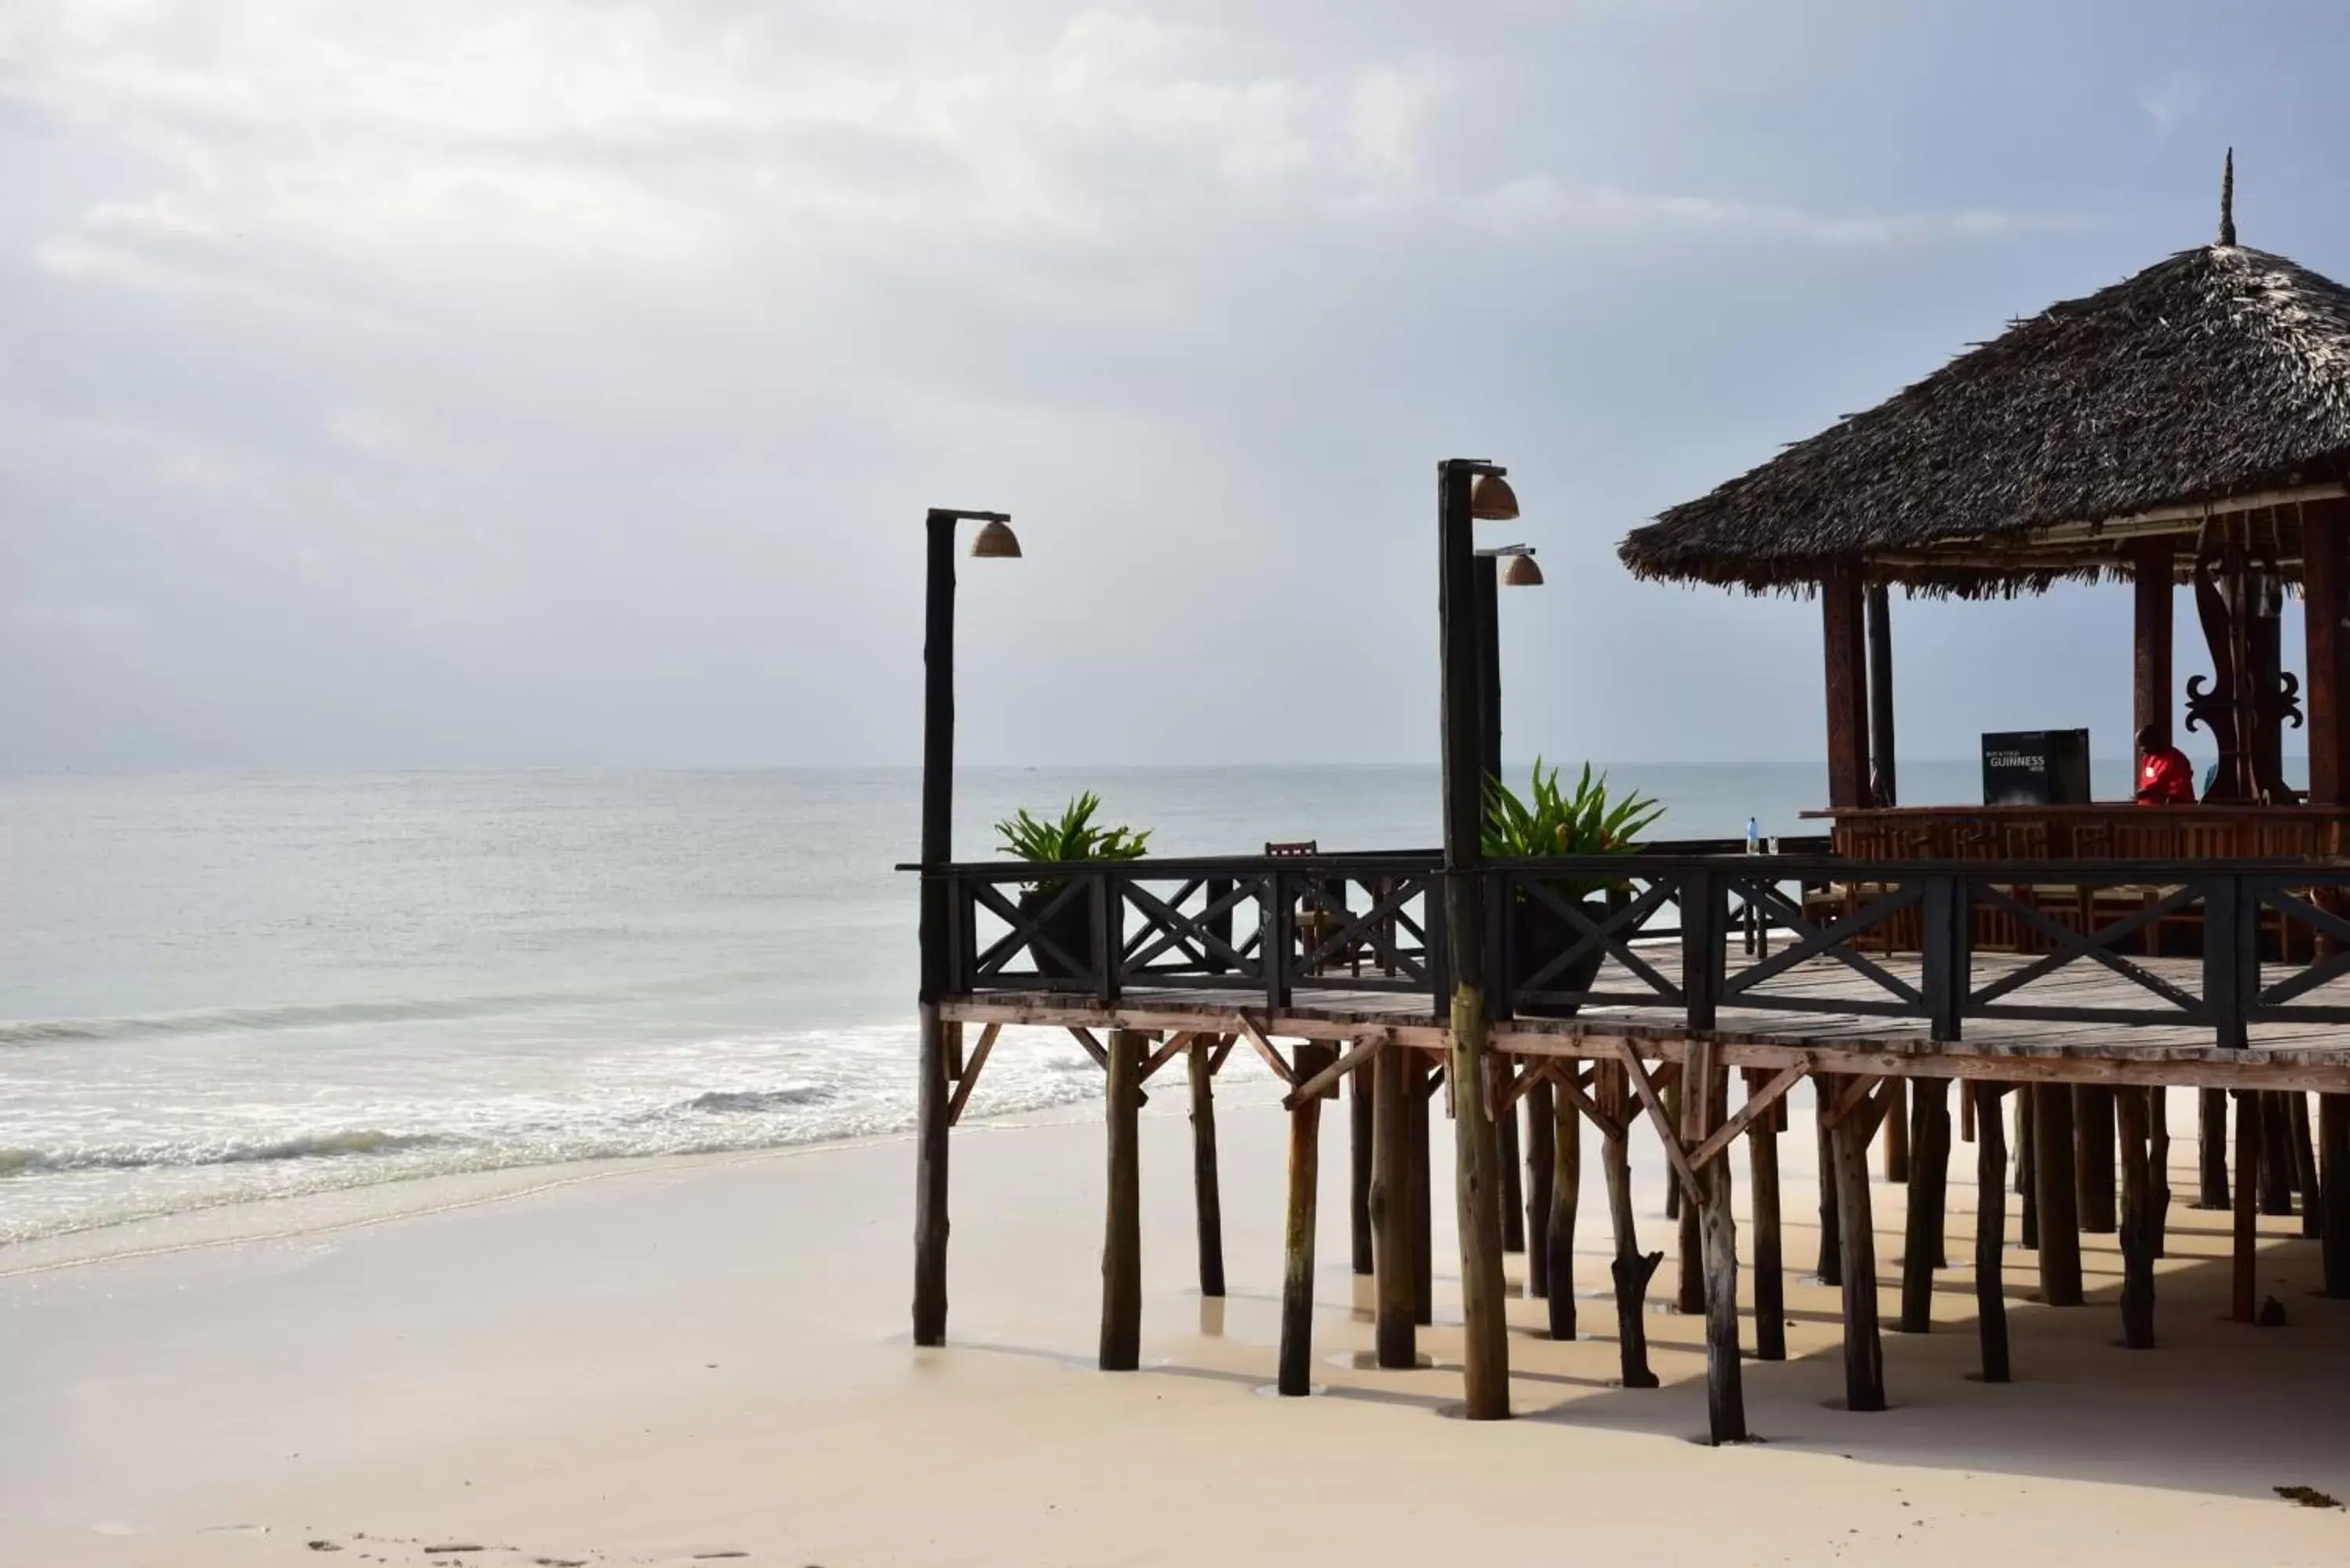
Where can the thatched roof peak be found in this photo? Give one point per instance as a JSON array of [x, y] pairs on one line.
[[2219, 372]]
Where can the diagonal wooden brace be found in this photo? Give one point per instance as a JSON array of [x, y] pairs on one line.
[[1324, 1084], [1280, 1069], [1642, 1085], [1757, 1104], [970, 1078]]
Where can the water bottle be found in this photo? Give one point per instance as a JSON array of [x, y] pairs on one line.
[[1753, 837]]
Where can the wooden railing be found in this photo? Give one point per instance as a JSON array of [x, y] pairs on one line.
[[1687, 934]]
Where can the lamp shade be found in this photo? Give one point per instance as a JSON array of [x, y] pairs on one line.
[[996, 542], [1522, 573], [1492, 500]]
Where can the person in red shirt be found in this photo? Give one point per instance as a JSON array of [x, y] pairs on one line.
[[2165, 777]]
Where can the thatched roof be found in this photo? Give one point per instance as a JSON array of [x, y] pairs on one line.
[[2221, 372]]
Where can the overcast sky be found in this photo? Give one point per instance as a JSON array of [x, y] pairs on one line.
[[451, 383]]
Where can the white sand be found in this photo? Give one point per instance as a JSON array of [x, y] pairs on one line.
[[657, 1363]]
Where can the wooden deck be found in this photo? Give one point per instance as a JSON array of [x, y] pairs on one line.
[[2281, 1055]]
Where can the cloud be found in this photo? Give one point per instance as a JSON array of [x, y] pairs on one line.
[[2171, 100]]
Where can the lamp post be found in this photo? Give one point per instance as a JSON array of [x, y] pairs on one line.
[[1490, 579], [1468, 489], [995, 540]]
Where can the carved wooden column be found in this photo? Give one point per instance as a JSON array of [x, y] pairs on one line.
[[2152, 563], [1845, 638], [2326, 579]]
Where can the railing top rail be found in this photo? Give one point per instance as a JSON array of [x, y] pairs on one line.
[[2330, 870]]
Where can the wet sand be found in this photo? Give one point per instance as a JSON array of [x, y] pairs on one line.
[[676, 1362]]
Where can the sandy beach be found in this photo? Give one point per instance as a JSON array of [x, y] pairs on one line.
[[707, 1359]]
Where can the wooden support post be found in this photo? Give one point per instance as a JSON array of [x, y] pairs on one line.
[[1631, 1270], [2154, 568], [1514, 1196], [2158, 1158], [1199, 1062], [1542, 1138], [2053, 1187], [1929, 1173], [2136, 1218], [1672, 1097], [1396, 1100], [931, 1101], [1769, 1273], [1830, 1268], [1566, 1196], [2304, 1166], [2211, 1154], [1423, 1233], [2325, 595], [1883, 787], [2027, 1172], [1296, 1375], [1361, 1116], [2334, 1142], [1864, 1352], [1725, 1391], [1896, 1134], [1990, 1229], [1121, 1315], [2243, 1296], [2093, 1171], [1689, 1280], [1848, 685], [2276, 1155]]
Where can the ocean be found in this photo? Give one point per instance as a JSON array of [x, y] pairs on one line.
[[218, 988]]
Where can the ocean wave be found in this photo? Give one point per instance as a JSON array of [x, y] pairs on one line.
[[726, 1100], [261, 1019], [305, 1145]]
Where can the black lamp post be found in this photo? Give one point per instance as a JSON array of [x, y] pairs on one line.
[[1469, 488], [995, 540]]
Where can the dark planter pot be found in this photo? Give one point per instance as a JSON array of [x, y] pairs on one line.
[[1539, 934], [1069, 928]]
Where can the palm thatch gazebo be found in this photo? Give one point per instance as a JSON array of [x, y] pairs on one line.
[[2190, 424]]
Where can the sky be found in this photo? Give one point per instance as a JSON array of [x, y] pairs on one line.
[[443, 384]]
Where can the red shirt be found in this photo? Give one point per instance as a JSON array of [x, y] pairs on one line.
[[2166, 778]]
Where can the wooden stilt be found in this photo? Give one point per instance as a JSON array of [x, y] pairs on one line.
[[1689, 1275], [1199, 1061], [2053, 1187], [2211, 1158], [1990, 1229], [2334, 1142], [2093, 1169], [1513, 1194], [1725, 1391], [2276, 1155], [1396, 1101], [2157, 1159], [1966, 1119], [1296, 1375], [2243, 1295], [1864, 1352], [1566, 1195], [1930, 1174], [1361, 1119], [931, 1102], [1830, 1269], [1423, 1254], [2304, 1166], [1896, 1135], [2136, 1219], [1770, 1275], [1121, 1315], [1631, 1270], [1672, 1093], [1541, 1137]]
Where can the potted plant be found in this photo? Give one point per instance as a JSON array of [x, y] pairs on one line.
[[1555, 821], [1071, 839]]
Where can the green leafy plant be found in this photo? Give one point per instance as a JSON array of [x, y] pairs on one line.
[[1073, 838], [1555, 821]]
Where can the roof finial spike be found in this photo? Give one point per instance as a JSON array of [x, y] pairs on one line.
[[2228, 200]]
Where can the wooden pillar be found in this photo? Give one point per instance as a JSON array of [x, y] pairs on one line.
[[2276, 1155], [2325, 591], [2153, 565], [1864, 1352], [1990, 1229], [2211, 1152], [1883, 787], [1424, 1083], [2027, 1172], [1689, 1273], [1770, 1275], [1199, 1059], [1725, 1389], [1558, 1227], [2334, 1144], [2158, 1159], [1829, 1270], [1848, 686], [1514, 1196], [1121, 1314], [930, 1097], [1631, 1270], [2243, 1296], [2138, 1219], [2054, 1185], [1360, 1117], [1896, 1134], [1921, 1251], [2304, 1166], [2093, 1169], [1542, 1138], [1395, 1099], [1296, 1375], [1672, 1097]]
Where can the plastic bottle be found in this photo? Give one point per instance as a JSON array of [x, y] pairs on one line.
[[1753, 837]]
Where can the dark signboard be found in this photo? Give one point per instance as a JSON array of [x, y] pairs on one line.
[[2036, 767]]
